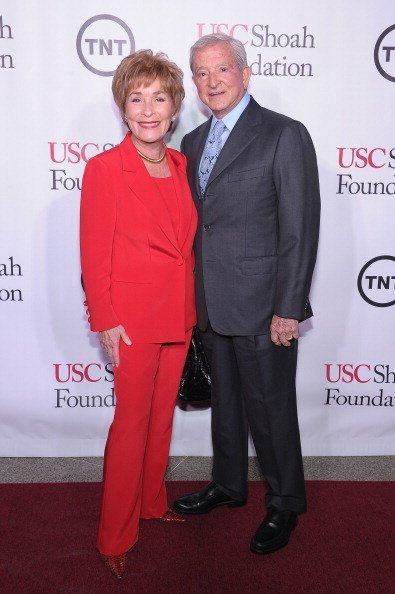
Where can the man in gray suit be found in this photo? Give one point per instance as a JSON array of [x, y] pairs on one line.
[[253, 175]]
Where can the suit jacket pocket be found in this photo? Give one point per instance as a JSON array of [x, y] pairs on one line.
[[262, 265], [246, 174]]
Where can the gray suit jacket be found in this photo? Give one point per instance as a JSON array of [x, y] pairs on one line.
[[257, 236]]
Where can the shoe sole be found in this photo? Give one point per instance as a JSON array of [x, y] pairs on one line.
[[276, 547], [206, 511]]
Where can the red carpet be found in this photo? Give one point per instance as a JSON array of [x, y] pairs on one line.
[[342, 545]]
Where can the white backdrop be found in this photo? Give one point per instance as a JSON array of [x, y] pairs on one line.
[[315, 61]]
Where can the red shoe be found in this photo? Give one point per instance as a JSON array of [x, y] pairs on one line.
[[171, 516], [116, 564]]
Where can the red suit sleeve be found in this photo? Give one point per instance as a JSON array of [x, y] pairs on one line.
[[97, 227]]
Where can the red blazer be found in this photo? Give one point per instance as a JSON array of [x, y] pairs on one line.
[[136, 272]]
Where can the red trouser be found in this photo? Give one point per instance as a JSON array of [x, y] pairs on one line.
[[137, 449]]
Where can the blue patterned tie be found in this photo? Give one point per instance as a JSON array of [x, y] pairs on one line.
[[210, 154]]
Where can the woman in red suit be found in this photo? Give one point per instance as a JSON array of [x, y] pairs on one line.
[[138, 223]]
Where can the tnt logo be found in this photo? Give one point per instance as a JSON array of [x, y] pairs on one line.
[[102, 42], [376, 281], [384, 54]]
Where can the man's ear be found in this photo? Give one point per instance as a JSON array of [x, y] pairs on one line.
[[246, 76]]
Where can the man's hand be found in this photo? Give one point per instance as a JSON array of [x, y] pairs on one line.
[[283, 330], [109, 339]]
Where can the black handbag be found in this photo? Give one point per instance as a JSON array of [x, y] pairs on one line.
[[195, 385]]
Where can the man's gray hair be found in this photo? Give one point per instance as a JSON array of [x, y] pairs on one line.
[[236, 45]]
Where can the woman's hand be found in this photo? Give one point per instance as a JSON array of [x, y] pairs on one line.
[[109, 339]]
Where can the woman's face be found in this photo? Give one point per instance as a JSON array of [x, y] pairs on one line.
[[149, 111]]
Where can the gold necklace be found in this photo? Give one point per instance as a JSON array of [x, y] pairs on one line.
[[149, 158]]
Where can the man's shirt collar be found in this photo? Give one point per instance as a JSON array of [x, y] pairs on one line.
[[231, 118]]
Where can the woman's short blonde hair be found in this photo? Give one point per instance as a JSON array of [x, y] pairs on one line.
[[142, 68]]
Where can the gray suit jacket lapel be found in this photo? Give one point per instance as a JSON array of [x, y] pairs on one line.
[[244, 132]]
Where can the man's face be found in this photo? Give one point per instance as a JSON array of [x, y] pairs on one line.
[[219, 81]]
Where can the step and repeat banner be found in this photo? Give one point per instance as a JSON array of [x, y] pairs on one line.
[[330, 65]]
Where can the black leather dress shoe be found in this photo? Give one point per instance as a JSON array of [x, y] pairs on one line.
[[274, 532], [204, 501]]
